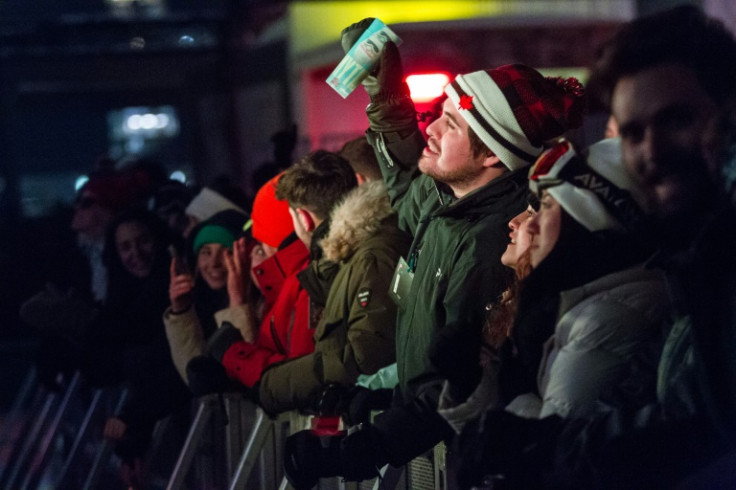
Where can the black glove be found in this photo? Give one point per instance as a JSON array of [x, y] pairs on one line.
[[331, 400], [220, 341], [387, 76], [352, 32], [362, 401], [206, 376], [309, 457], [352, 403], [391, 109], [504, 446]]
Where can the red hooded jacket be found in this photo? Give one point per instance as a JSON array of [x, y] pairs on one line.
[[284, 332]]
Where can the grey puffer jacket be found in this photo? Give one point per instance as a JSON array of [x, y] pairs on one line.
[[601, 326]]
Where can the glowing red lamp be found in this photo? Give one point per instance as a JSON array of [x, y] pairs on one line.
[[425, 87]]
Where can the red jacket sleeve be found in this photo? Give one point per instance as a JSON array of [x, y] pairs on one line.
[[284, 333]]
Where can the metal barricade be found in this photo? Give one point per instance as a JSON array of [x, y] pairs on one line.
[[218, 431], [26, 405], [35, 450]]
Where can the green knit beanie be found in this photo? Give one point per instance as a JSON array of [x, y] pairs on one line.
[[213, 234]]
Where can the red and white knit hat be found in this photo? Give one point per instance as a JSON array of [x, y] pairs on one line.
[[596, 192], [514, 109]]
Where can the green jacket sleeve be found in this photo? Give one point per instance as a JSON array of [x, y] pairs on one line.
[[408, 188]]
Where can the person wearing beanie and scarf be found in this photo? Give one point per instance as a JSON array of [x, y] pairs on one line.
[[589, 291], [454, 194], [197, 297]]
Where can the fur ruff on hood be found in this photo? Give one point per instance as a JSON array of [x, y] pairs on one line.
[[356, 219]]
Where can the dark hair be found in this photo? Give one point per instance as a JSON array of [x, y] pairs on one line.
[[500, 319], [317, 182], [684, 34], [361, 156], [476, 144]]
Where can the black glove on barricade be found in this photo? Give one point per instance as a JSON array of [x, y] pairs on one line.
[[352, 403], [221, 340], [362, 401], [331, 400], [391, 109], [504, 447], [308, 457], [206, 376]]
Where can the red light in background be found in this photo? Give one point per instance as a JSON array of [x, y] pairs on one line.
[[427, 86]]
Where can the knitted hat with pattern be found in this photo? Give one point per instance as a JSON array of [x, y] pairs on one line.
[[514, 109]]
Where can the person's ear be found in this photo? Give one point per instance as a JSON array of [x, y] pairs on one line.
[[491, 160], [361, 178], [305, 219]]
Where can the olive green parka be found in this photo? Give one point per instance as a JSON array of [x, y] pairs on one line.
[[356, 332]]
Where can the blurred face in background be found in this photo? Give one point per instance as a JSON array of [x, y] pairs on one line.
[[544, 228], [211, 265], [135, 245], [662, 126], [520, 238], [90, 218]]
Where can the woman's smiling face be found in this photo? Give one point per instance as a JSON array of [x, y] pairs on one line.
[[211, 265], [135, 247]]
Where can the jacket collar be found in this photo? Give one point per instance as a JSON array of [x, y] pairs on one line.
[[484, 199], [571, 297], [355, 220], [272, 272]]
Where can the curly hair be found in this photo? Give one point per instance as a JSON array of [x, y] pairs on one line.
[[500, 318]]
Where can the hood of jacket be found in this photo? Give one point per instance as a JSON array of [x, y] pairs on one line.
[[357, 218]]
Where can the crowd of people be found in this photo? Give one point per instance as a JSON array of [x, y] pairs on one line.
[[559, 317]]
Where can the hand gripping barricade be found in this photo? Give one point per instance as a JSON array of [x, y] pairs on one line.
[[424, 472], [251, 444]]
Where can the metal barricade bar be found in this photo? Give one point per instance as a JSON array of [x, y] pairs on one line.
[[104, 451], [205, 411], [38, 463]]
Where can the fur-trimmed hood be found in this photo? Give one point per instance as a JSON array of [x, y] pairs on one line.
[[357, 218]]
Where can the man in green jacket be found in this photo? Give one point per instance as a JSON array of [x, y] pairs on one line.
[[355, 334], [454, 194]]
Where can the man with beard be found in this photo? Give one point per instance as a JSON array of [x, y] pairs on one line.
[[469, 182], [670, 80]]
